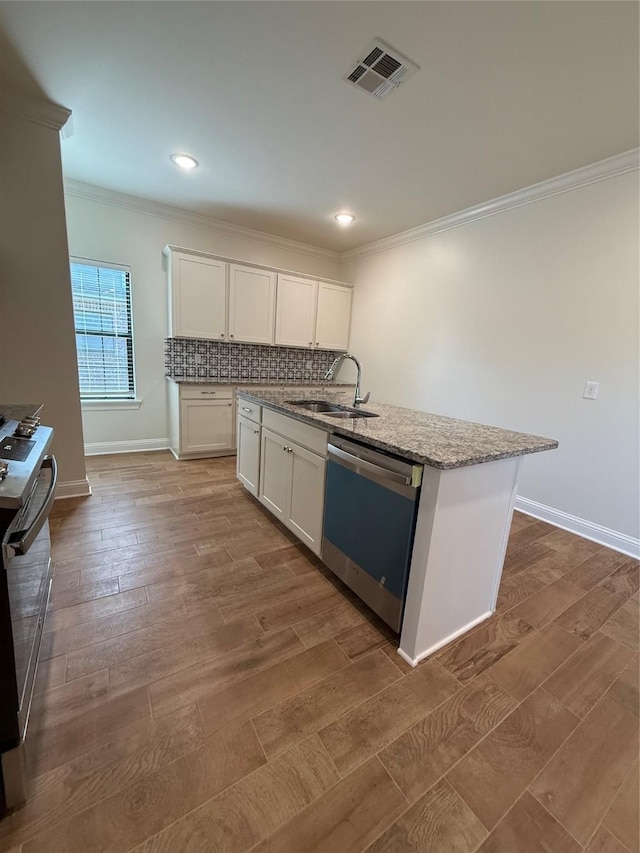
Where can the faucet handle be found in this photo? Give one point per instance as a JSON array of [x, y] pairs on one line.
[[364, 399]]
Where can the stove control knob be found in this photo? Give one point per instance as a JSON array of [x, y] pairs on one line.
[[25, 429], [4, 467]]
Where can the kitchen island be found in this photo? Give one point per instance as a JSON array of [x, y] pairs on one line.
[[469, 485]]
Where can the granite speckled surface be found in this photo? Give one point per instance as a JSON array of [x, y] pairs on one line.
[[18, 411], [419, 436]]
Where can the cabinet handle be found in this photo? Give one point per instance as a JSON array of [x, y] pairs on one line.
[[310, 343], [229, 404], [230, 336], [256, 431], [222, 334], [246, 409], [284, 448]]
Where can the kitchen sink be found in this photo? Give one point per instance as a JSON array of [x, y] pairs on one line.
[[351, 413], [332, 410], [316, 405]]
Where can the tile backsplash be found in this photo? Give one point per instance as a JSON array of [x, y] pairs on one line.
[[221, 361]]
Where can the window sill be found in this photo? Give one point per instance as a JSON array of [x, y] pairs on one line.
[[110, 405]]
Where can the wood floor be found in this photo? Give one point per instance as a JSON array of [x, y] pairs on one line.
[[207, 686]]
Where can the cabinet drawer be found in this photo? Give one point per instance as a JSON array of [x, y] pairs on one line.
[[205, 392], [249, 410], [308, 436]]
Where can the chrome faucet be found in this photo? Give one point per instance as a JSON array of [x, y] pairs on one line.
[[357, 399]]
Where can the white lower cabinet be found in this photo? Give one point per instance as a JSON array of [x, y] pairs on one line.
[[202, 420], [248, 462], [305, 506], [206, 426], [291, 480], [275, 473]]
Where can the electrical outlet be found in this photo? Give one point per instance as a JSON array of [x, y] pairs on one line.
[[591, 390]]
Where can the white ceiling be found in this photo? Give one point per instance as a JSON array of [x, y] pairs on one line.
[[509, 94]]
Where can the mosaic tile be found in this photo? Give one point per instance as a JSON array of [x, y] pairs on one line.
[[198, 360]]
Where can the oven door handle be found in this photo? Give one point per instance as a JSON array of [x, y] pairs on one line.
[[362, 466], [24, 539]]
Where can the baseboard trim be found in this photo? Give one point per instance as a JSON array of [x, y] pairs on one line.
[[444, 642], [207, 454], [136, 446], [73, 489], [581, 527]]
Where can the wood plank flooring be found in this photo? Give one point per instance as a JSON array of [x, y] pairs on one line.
[[207, 685]]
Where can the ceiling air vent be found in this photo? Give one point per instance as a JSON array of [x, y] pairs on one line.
[[380, 69]]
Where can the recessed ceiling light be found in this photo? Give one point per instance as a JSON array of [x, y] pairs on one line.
[[345, 218], [184, 161]]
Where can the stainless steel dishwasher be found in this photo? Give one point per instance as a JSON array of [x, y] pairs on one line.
[[371, 503]]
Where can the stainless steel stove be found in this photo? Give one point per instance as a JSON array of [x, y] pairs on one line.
[[28, 478]]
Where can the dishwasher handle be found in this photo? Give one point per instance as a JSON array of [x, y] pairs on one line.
[[359, 465]]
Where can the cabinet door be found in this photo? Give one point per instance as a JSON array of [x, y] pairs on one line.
[[333, 317], [252, 304], [296, 311], [248, 460], [275, 473], [206, 425], [305, 504], [198, 297]]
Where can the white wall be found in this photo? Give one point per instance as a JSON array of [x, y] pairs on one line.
[[37, 345], [105, 231], [502, 320]]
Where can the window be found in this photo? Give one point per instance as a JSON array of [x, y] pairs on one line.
[[104, 338]]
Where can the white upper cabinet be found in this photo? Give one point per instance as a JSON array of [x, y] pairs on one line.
[[333, 316], [312, 314], [296, 311], [215, 299], [252, 304], [198, 297]]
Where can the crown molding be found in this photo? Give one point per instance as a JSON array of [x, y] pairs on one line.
[[35, 110], [629, 161], [177, 214]]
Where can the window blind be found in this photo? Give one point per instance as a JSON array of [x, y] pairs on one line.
[[104, 335]]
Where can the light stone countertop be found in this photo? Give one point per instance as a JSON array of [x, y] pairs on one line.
[[433, 440]]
